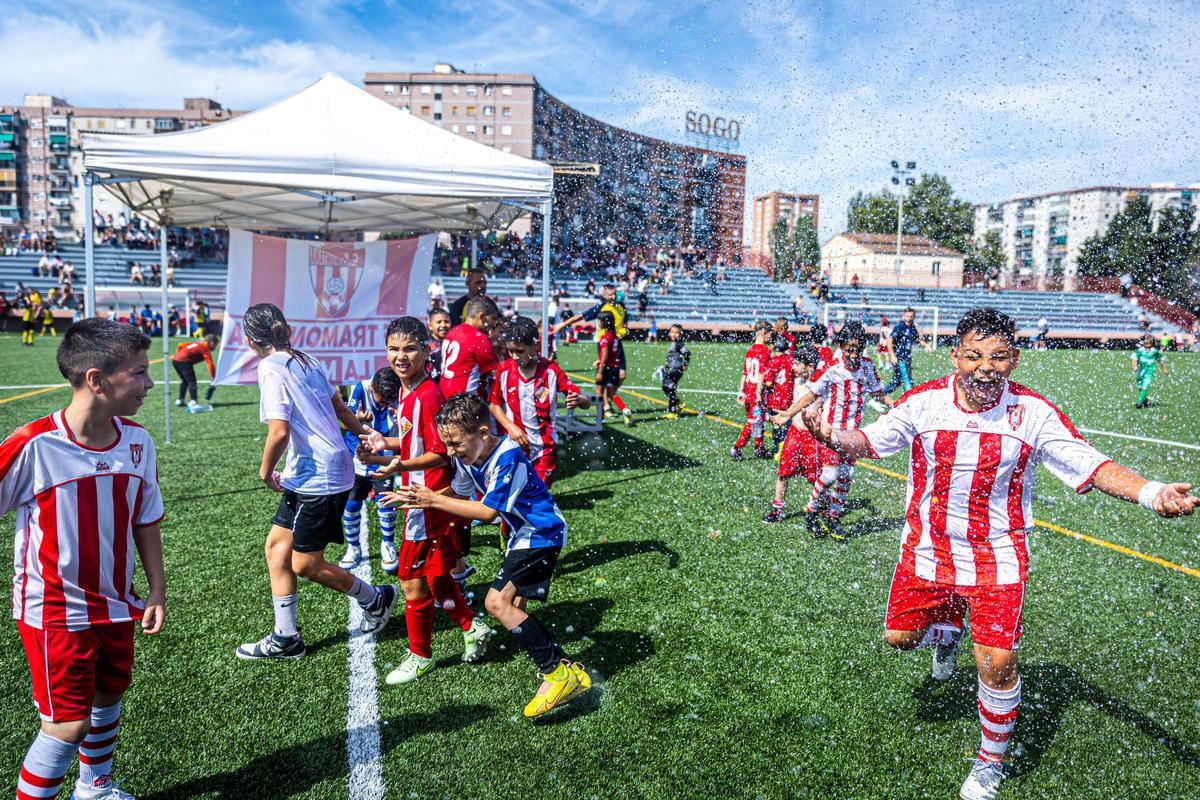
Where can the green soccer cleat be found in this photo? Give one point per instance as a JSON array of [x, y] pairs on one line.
[[475, 640], [411, 668]]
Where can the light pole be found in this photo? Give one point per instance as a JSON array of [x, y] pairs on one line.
[[901, 179]]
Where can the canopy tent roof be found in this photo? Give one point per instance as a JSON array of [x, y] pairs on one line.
[[330, 157]]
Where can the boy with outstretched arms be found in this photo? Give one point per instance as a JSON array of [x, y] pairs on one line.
[[524, 399], [976, 438], [84, 484], [372, 402], [511, 490], [430, 548]]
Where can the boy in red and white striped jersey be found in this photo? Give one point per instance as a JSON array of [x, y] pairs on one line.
[[524, 397], [976, 439], [842, 385], [84, 483]]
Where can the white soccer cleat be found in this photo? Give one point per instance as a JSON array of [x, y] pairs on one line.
[[475, 640], [411, 668], [110, 792], [983, 781], [350, 558], [944, 658], [389, 559]]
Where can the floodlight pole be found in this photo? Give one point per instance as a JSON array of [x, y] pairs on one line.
[[900, 179], [89, 247], [547, 213], [165, 328]]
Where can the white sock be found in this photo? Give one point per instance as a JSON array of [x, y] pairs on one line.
[[45, 765], [364, 593], [285, 614], [96, 751], [997, 718]]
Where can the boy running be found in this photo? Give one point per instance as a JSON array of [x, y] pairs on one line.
[[512, 491], [610, 369], [842, 385], [372, 402], [524, 397], [431, 546], [1146, 359], [976, 438], [301, 410], [752, 392], [800, 454], [84, 484], [678, 359], [47, 321]]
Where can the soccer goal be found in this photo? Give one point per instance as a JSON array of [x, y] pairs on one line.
[[532, 306], [873, 315], [123, 298]]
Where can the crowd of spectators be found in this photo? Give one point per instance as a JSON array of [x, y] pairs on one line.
[[28, 241]]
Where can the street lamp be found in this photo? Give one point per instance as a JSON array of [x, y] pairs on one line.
[[901, 179]]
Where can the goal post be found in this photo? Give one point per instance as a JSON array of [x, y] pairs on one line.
[[532, 306], [927, 317]]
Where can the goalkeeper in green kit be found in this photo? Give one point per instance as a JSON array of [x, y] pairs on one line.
[[1146, 359]]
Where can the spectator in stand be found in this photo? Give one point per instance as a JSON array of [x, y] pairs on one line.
[[4, 308], [590, 289], [823, 289], [797, 308], [135, 274], [1144, 322], [43, 266], [854, 281], [476, 287], [529, 284], [1126, 284], [437, 294]]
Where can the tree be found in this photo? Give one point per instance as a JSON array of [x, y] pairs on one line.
[[987, 258], [930, 210], [782, 249], [807, 246]]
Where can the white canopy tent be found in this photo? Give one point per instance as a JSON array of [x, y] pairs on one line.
[[329, 158]]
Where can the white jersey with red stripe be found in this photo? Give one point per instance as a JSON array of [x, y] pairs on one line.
[[971, 475], [532, 403], [843, 390], [73, 555]]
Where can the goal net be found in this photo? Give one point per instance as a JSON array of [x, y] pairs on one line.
[[532, 306], [124, 299], [873, 315]]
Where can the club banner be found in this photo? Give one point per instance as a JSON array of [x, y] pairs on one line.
[[338, 297]]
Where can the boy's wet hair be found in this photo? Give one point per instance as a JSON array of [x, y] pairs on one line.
[[807, 354], [467, 412], [477, 305], [780, 343], [98, 344], [438, 312], [409, 328], [606, 320], [387, 385], [851, 331], [521, 330], [987, 322]]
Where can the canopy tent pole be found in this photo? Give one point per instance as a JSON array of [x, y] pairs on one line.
[[89, 260], [164, 328], [474, 244], [547, 211]]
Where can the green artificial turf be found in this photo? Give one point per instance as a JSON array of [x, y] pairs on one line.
[[733, 659]]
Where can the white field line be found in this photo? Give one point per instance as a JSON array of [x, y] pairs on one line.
[[1092, 431], [363, 750]]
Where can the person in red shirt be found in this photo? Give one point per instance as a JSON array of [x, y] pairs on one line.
[[752, 394], [430, 549], [467, 352], [524, 397], [610, 368], [777, 381], [800, 454], [781, 329], [84, 484], [187, 355]]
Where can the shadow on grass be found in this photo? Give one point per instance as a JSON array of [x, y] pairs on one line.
[[258, 487], [297, 768], [1056, 687], [617, 450], [594, 555]]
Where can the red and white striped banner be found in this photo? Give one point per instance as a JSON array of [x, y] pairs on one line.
[[338, 297]]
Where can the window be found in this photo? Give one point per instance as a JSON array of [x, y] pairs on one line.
[[454, 90], [506, 91], [454, 110], [437, 115], [38, 159], [489, 111], [470, 91], [426, 89], [37, 142], [164, 124], [404, 107], [470, 111], [389, 89], [437, 95], [149, 124], [470, 130], [39, 196], [487, 130], [936, 269], [506, 111], [35, 123], [487, 88], [506, 149], [506, 130], [454, 129], [425, 109]]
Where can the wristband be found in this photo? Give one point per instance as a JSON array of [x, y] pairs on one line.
[[1148, 493]]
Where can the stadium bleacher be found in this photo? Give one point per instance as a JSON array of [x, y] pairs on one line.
[[112, 269]]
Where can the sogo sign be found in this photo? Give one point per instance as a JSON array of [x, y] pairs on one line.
[[707, 125]]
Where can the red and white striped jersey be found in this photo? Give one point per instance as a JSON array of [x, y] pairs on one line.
[[754, 371], [418, 434], [73, 555], [532, 403], [970, 478], [844, 391]]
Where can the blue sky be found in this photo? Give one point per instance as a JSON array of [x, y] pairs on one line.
[[1002, 98]]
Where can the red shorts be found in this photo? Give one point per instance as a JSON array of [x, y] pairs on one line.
[[429, 557], [915, 603], [799, 455], [545, 464], [68, 667]]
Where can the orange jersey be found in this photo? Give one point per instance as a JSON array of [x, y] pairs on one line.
[[194, 353]]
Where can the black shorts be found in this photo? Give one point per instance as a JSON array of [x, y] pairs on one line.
[[29, 325], [529, 571], [315, 520], [462, 533], [670, 380], [363, 484], [611, 377]]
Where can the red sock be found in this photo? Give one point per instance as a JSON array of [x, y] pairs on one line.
[[758, 443], [451, 599], [418, 617], [743, 437], [619, 403]]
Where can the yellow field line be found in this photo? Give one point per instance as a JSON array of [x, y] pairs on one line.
[[36, 392], [1050, 526]]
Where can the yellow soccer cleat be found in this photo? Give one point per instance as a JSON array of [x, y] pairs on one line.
[[559, 687]]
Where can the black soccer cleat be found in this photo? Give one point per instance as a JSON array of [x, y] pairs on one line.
[[812, 521], [735, 454], [273, 646], [836, 532], [774, 515]]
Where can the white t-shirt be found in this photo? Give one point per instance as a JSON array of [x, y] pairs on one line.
[[300, 394]]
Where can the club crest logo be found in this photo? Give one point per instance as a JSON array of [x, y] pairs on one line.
[[405, 426], [336, 271], [135, 453], [1016, 413], [542, 394]]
